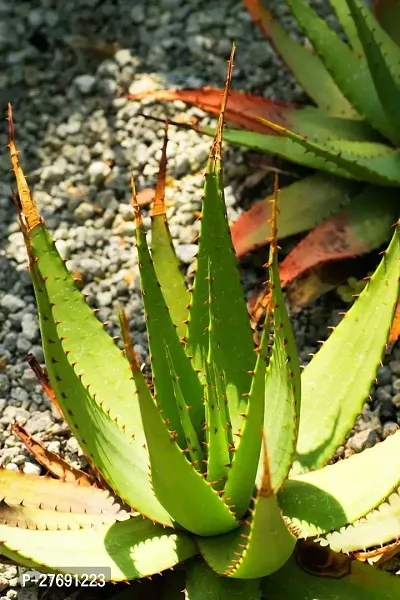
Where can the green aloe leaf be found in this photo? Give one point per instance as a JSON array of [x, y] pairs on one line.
[[358, 582], [329, 498], [379, 527], [166, 263], [373, 162], [106, 423], [346, 21], [165, 347], [260, 546], [216, 259], [282, 384], [388, 14], [130, 549], [307, 67], [197, 506], [202, 583], [120, 456], [239, 488], [302, 205], [338, 379], [349, 70], [383, 57]]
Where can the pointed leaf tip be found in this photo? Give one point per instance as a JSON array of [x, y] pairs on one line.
[[216, 148], [28, 206], [159, 200]]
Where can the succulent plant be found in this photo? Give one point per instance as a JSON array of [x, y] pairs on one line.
[[221, 461], [352, 135]]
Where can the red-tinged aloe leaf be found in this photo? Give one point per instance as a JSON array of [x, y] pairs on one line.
[[363, 226], [166, 263], [308, 69], [317, 573], [247, 110], [388, 14], [383, 57], [242, 109], [395, 330], [56, 465], [33, 491], [302, 205], [44, 381]]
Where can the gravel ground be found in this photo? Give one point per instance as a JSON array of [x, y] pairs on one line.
[[63, 66]]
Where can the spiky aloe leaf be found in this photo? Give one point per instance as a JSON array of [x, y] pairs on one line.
[[131, 549], [202, 583], [337, 577], [388, 14], [383, 57], [282, 383], [18, 488], [165, 261], [346, 21], [239, 488], [372, 162], [216, 259], [302, 205], [163, 343], [326, 499], [339, 377], [307, 67], [363, 226], [379, 527], [349, 70], [103, 413], [242, 553], [181, 489], [56, 465]]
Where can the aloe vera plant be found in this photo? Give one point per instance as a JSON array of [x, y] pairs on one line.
[[351, 134], [220, 462]]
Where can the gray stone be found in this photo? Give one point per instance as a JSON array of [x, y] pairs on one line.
[[394, 366], [12, 303], [186, 252], [85, 83], [362, 440], [13, 413], [384, 376], [30, 326], [39, 422], [84, 211], [389, 428], [31, 469], [4, 383], [98, 171]]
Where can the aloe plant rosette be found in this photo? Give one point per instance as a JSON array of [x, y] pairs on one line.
[[222, 457]]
